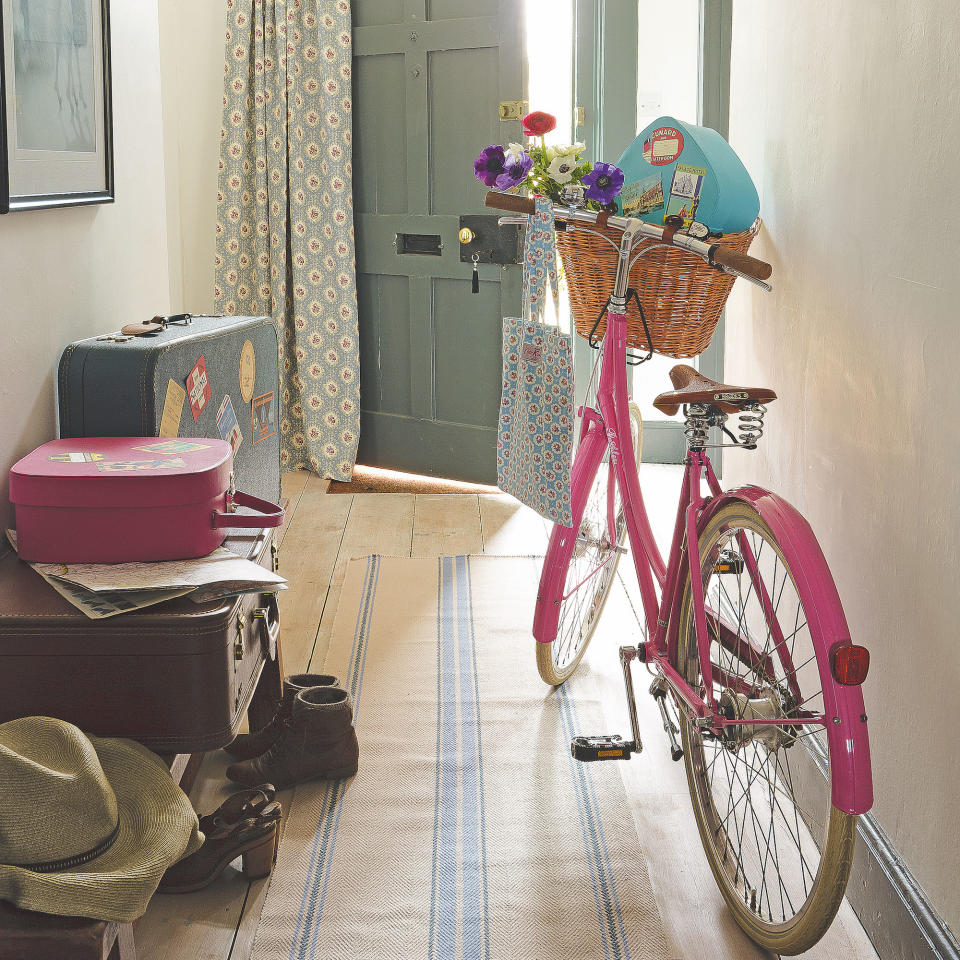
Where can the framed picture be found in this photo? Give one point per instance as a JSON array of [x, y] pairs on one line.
[[56, 136]]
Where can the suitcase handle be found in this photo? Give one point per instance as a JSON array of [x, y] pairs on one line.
[[268, 620], [268, 514]]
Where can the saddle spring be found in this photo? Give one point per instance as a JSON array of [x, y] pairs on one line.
[[699, 418], [751, 425], [697, 425]]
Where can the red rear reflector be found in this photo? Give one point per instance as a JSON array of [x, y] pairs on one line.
[[850, 664]]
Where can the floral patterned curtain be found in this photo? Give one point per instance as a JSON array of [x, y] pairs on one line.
[[285, 214]]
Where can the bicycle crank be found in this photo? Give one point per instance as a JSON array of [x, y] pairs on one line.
[[613, 747]]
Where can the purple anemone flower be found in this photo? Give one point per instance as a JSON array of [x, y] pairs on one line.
[[490, 164], [603, 182], [515, 171]]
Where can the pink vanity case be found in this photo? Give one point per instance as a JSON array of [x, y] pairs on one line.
[[118, 499]]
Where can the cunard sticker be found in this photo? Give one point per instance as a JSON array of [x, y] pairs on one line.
[[75, 457], [663, 146], [198, 387]]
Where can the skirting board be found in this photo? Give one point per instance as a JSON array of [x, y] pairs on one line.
[[894, 911]]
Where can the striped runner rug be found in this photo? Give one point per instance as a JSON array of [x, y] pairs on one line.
[[469, 832]]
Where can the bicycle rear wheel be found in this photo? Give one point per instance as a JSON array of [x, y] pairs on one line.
[[591, 570], [778, 849]]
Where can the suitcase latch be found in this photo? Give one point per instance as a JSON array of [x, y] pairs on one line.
[[274, 557], [238, 642], [231, 493]]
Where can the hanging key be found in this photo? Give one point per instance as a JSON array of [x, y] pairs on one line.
[[475, 283]]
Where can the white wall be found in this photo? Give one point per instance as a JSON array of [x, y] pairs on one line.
[[847, 116], [75, 272], [191, 59]]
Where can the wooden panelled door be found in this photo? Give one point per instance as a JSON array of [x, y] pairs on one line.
[[428, 78]]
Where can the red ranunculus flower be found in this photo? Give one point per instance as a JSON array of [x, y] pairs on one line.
[[538, 123]]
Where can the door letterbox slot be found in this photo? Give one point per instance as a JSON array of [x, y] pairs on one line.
[[424, 244]]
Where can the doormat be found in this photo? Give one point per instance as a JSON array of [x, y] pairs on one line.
[[378, 480], [469, 832]]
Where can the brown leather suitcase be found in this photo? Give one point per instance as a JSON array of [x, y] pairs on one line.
[[178, 676]]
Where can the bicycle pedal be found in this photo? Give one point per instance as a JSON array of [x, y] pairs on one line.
[[728, 562], [590, 749]]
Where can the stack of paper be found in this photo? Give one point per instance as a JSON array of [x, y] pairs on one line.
[[106, 589]]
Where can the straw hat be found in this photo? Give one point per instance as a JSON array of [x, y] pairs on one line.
[[87, 825]]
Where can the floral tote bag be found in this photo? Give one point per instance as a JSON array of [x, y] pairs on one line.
[[535, 430]]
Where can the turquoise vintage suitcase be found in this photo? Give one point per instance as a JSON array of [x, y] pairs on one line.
[[184, 377], [709, 183]]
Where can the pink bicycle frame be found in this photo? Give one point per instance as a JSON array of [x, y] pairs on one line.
[[609, 428]]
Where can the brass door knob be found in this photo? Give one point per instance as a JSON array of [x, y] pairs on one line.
[[467, 235]]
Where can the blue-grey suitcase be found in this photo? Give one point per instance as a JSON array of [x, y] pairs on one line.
[[225, 375]]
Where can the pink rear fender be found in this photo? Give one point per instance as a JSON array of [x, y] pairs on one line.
[[590, 452], [852, 789]]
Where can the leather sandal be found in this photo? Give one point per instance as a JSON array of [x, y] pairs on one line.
[[255, 840], [243, 805]]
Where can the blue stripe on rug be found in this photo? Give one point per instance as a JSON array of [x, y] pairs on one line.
[[608, 905], [472, 863], [483, 818], [459, 893], [446, 866], [321, 854]]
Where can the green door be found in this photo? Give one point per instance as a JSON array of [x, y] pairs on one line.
[[428, 78]]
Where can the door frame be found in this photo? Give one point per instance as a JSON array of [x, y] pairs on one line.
[[605, 57]]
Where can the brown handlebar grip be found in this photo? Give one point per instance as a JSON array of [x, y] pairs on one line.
[[740, 261], [509, 201]]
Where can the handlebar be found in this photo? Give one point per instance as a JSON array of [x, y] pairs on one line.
[[730, 261]]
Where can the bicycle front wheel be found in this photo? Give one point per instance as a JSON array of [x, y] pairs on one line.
[[778, 849], [591, 570]]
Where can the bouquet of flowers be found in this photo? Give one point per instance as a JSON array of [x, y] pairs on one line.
[[548, 169]]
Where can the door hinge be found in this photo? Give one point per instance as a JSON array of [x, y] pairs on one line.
[[511, 109], [581, 116]]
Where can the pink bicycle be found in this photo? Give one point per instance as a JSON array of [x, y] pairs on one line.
[[744, 632]]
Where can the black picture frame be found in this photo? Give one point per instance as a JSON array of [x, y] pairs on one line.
[[10, 203]]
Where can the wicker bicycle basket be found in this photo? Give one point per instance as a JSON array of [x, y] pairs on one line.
[[682, 296]]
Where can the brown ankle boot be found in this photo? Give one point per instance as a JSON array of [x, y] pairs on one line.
[[248, 745], [318, 740]]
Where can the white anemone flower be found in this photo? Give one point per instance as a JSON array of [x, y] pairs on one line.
[[561, 168]]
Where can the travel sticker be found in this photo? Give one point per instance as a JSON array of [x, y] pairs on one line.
[[172, 409], [198, 385], [664, 146], [227, 424], [132, 466], [75, 457], [264, 417], [685, 193], [643, 196], [173, 446], [248, 371]]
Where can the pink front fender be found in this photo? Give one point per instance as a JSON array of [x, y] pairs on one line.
[[847, 720], [593, 445]]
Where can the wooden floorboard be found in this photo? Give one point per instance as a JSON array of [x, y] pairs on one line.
[[323, 533], [307, 559], [378, 523], [446, 524]]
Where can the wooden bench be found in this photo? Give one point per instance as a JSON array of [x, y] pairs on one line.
[[39, 936]]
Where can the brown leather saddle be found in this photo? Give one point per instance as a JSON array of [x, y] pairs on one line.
[[693, 387]]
